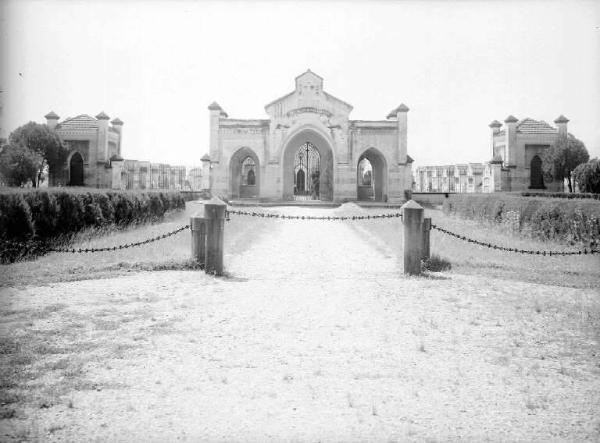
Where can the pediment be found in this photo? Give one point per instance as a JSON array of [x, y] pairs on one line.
[[308, 97]]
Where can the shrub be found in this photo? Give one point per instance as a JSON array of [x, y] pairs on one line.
[[587, 176], [572, 221]]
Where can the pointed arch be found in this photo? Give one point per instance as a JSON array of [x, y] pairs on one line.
[[324, 176], [372, 165], [244, 169]]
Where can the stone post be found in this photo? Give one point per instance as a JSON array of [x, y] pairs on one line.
[[198, 227], [214, 212], [426, 252], [412, 218]]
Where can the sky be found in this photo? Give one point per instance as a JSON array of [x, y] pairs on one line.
[[158, 65]]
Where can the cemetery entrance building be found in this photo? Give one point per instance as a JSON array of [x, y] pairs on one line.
[[309, 149]]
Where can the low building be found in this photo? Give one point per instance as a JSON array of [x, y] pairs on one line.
[[516, 164], [95, 158], [466, 177]]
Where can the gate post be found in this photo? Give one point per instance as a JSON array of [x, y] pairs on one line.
[[412, 218], [426, 253], [198, 227], [214, 212]]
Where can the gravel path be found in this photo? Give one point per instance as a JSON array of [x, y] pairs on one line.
[[316, 336]]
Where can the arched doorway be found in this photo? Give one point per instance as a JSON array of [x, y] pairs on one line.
[[245, 174], [371, 179], [307, 167], [536, 177], [76, 170], [307, 175]]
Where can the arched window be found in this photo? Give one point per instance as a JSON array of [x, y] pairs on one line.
[[248, 172]]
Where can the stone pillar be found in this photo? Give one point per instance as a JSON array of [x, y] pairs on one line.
[[412, 218], [214, 212], [198, 228], [426, 250], [511, 141], [51, 120]]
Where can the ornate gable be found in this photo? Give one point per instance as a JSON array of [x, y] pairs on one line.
[[308, 97]]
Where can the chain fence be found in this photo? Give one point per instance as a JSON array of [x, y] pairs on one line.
[[585, 251], [517, 250], [41, 247], [311, 217]]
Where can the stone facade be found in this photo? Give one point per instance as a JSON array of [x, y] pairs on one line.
[[95, 157], [516, 163], [467, 177], [309, 148]]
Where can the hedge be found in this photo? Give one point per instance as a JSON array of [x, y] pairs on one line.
[[571, 221], [41, 215]]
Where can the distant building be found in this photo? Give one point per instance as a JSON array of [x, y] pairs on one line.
[[466, 177], [517, 151], [516, 164], [95, 157]]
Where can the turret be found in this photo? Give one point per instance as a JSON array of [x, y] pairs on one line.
[[511, 140], [51, 119], [102, 136], [561, 123], [401, 115], [117, 125], [216, 112]]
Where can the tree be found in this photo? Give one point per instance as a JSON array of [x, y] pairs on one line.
[[44, 142], [561, 159], [587, 176], [19, 164]]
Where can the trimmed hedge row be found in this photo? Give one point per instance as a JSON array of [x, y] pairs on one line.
[[572, 221], [44, 214], [569, 195]]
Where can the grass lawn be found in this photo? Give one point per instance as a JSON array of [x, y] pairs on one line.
[[172, 253], [580, 271]]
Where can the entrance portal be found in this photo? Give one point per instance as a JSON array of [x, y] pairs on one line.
[[535, 171], [76, 170], [308, 167], [307, 163]]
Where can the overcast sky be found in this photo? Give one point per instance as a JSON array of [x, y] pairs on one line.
[[158, 65]]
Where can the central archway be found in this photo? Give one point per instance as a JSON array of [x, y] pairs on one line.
[[308, 167]]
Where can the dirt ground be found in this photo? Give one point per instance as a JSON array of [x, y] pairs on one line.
[[314, 335]]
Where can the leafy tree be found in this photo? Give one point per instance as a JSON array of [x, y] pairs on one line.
[[43, 141], [587, 176], [19, 164], [561, 159]]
